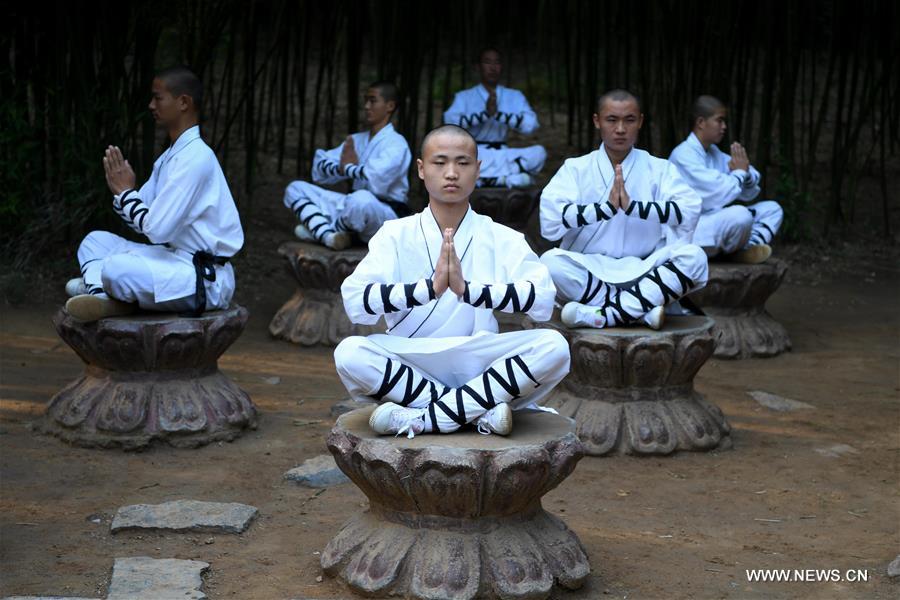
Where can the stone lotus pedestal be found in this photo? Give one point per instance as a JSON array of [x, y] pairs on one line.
[[511, 207], [458, 515], [315, 314], [631, 390], [150, 377], [735, 297]]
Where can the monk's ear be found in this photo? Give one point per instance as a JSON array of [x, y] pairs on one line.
[[641, 121], [420, 167], [185, 102], [392, 107]]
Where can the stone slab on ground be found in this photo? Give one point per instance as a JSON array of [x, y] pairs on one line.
[[186, 515], [318, 472], [775, 402], [893, 569], [47, 598], [837, 451], [145, 578]]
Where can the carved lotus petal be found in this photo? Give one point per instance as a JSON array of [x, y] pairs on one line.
[[448, 565]]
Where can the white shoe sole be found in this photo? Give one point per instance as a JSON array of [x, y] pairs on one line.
[[504, 419], [303, 234], [655, 318], [753, 255], [380, 419], [340, 241], [93, 308]]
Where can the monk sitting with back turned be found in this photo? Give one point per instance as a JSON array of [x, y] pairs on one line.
[[185, 210], [625, 219], [743, 232], [436, 277]]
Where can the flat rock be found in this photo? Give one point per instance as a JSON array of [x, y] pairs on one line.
[[837, 451], [186, 515], [47, 598], [145, 578], [893, 569], [345, 406], [318, 472], [778, 403]]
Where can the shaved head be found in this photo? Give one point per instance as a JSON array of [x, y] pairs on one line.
[[452, 130], [617, 95], [181, 81]]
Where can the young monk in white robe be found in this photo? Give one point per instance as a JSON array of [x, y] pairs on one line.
[[436, 277], [186, 212], [625, 219], [376, 161], [725, 182], [488, 111]]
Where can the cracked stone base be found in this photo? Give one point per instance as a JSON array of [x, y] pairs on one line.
[[150, 378], [631, 390], [735, 296], [459, 515]]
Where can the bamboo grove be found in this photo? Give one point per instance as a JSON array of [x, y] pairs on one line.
[[813, 87]]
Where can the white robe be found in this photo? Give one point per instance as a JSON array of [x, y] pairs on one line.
[[724, 225], [383, 166], [184, 207], [379, 177], [448, 339], [513, 112], [613, 245]]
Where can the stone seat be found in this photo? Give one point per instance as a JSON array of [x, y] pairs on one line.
[[457, 515], [735, 297], [150, 377], [631, 389], [315, 314]]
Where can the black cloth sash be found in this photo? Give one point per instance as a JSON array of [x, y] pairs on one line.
[[401, 209], [205, 267], [492, 145]]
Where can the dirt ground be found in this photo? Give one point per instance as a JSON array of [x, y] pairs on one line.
[[683, 526]]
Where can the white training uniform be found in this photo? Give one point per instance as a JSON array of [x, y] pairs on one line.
[[442, 353], [609, 256], [185, 208], [380, 185], [725, 226], [513, 112]]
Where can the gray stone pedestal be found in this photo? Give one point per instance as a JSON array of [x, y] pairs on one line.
[[151, 377], [735, 297], [315, 314], [631, 389], [458, 515]]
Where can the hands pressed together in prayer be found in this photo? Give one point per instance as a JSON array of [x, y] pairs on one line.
[[491, 105], [348, 153], [448, 270], [739, 158], [119, 174], [618, 197]]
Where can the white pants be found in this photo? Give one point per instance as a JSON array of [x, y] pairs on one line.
[[446, 380], [736, 227], [671, 276], [323, 211], [120, 269], [499, 163]]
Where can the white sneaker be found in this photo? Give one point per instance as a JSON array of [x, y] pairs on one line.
[[303, 234], [87, 307], [340, 240], [575, 314], [519, 180], [497, 420], [76, 287], [655, 318], [393, 418]]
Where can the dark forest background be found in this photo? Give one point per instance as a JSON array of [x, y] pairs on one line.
[[813, 89]]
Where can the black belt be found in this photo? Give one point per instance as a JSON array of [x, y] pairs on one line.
[[401, 209], [492, 145], [205, 267]]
